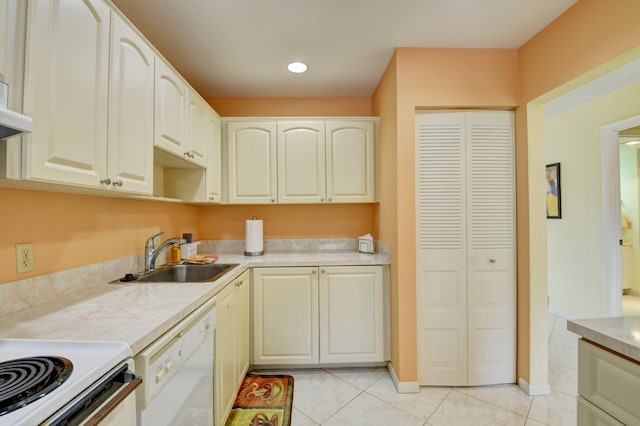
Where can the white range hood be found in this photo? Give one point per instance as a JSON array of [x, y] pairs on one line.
[[11, 122]]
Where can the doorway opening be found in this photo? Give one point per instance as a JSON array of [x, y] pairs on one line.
[[620, 213]]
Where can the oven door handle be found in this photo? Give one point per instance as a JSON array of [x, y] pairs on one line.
[[115, 400]]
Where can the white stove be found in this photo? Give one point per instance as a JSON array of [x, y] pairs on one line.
[[92, 363]]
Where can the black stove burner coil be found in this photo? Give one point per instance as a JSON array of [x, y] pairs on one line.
[[25, 380]]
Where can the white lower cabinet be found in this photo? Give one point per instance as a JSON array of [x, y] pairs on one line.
[[310, 315], [351, 314], [232, 344], [608, 387], [590, 415]]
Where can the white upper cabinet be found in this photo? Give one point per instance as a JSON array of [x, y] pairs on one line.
[[251, 156], [181, 116], [301, 162], [89, 88], [66, 91], [130, 147], [170, 110], [318, 161], [350, 161], [214, 159], [197, 135]]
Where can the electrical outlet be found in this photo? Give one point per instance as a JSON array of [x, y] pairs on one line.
[[24, 257]]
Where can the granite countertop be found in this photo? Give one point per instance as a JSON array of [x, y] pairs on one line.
[[139, 313], [619, 334]]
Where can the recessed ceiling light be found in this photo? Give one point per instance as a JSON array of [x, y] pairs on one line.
[[297, 67], [632, 143]]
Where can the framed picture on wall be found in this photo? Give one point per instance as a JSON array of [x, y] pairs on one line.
[[554, 204]]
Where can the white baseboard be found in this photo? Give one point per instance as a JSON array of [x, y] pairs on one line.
[[402, 387], [533, 390]]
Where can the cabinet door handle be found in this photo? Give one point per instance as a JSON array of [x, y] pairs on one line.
[[117, 182], [273, 200], [322, 271], [105, 181], [322, 200], [314, 271], [330, 199], [492, 260]]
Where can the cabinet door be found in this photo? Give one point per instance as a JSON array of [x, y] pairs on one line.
[[213, 191], [351, 314], [170, 110], [590, 415], [242, 312], [301, 162], [441, 249], [130, 147], [491, 280], [609, 382], [251, 149], [350, 162], [224, 373], [196, 148], [66, 84], [285, 316]]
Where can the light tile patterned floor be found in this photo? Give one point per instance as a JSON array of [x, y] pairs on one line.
[[366, 396]]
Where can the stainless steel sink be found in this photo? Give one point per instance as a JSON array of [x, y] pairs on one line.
[[185, 273]]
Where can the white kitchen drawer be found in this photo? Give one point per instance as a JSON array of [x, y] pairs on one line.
[[590, 415], [610, 382]]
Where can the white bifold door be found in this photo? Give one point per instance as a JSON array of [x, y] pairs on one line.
[[465, 247]]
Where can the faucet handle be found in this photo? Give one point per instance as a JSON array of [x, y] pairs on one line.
[[150, 240]]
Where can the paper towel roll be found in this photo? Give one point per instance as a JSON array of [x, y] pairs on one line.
[[253, 238]]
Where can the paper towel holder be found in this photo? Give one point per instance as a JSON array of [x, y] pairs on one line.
[[254, 253]]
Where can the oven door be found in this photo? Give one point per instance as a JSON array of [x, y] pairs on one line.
[[110, 401]]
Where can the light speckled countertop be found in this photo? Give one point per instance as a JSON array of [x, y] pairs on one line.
[[139, 313], [620, 334]]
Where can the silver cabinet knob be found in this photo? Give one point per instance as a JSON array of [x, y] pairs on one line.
[[322, 200], [492, 260], [330, 199], [314, 271], [117, 182], [105, 181], [322, 271], [273, 200]]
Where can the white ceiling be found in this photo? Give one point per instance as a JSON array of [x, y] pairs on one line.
[[240, 48]]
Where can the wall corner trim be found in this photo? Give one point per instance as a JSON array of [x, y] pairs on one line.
[[402, 387], [533, 390]]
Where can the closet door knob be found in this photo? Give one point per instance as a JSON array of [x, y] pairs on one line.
[[105, 181]]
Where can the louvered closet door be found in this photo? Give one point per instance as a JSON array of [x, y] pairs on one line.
[[490, 250], [466, 284], [442, 274]]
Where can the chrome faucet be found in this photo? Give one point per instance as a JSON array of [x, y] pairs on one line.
[[151, 253]]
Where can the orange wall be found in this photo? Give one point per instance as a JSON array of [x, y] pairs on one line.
[[586, 36], [426, 79], [74, 230], [287, 221], [385, 105]]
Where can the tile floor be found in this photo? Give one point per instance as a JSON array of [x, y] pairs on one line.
[[366, 396]]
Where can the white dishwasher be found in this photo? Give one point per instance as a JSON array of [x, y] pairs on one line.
[[177, 373]]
